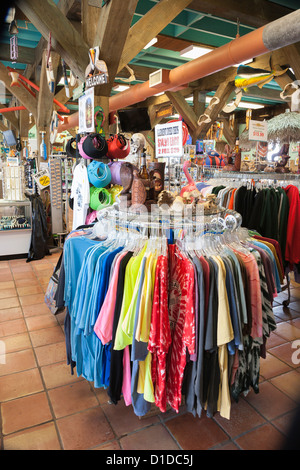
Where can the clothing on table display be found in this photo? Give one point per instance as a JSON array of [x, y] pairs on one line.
[[156, 326]]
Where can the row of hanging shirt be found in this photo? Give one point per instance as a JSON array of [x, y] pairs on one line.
[[271, 207], [154, 322]]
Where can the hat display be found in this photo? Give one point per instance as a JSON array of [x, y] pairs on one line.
[[70, 148], [118, 147], [99, 174], [99, 198], [122, 174], [80, 149], [94, 146]]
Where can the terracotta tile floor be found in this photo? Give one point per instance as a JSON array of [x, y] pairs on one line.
[[44, 407]]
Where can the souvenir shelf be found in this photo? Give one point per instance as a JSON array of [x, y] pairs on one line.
[[15, 227]]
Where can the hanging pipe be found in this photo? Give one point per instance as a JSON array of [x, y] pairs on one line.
[[275, 35]]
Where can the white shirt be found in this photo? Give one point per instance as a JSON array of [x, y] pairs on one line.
[[80, 192]]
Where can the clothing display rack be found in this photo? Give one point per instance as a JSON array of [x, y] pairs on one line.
[[262, 180], [159, 320]]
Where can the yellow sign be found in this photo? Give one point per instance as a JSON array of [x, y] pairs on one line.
[[45, 180]]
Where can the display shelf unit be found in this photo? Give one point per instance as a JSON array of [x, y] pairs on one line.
[[15, 237]]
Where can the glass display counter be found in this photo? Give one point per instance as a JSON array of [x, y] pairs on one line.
[[15, 227]]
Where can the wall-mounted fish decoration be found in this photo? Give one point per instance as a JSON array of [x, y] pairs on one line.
[[250, 76]]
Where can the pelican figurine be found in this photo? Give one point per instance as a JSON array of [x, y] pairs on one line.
[[95, 63]]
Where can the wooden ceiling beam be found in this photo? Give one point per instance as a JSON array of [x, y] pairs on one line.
[[45, 98], [46, 17], [110, 27], [11, 117], [65, 6], [26, 55], [148, 26], [292, 54], [260, 13], [184, 109], [22, 95], [223, 92]]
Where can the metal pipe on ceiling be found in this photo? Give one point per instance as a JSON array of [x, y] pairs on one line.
[[275, 35]]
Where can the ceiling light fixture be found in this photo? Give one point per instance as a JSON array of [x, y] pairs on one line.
[[244, 63], [193, 52], [150, 43], [120, 87]]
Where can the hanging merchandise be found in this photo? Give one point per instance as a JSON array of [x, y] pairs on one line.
[[71, 147], [42, 179], [43, 147], [19, 144], [38, 245], [100, 198], [118, 147], [121, 174], [99, 119], [80, 148], [93, 146], [53, 127], [49, 67], [80, 194], [86, 111], [65, 77], [99, 174], [14, 49]]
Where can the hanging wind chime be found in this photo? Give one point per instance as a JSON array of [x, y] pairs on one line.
[[14, 49]]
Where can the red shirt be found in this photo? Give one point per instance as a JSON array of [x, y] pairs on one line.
[[160, 332], [182, 322], [292, 249]]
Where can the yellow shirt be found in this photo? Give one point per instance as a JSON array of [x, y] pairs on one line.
[[225, 334], [145, 308], [125, 326]]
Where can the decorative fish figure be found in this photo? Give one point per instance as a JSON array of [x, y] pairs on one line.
[[250, 76]]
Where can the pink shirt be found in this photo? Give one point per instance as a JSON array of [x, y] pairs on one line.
[[104, 323]]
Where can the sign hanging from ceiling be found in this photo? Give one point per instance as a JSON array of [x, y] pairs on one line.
[[168, 139], [96, 72], [258, 130], [86, 111]]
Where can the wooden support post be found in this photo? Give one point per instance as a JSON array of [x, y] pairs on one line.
[[184, 109], [24, 124], [199, 104], [230, 135], [223, 92]]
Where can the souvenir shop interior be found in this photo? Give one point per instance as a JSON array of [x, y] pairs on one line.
[[149, 227]]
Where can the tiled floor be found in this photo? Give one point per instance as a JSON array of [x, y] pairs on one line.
[[44, 407]]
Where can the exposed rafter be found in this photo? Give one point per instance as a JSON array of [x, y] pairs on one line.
[[22, 95], [48, 17], [110, 25], [256, 14], [184, 109], [149, 26]]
